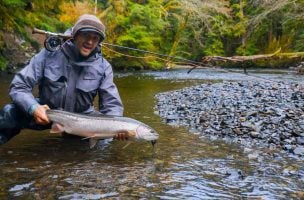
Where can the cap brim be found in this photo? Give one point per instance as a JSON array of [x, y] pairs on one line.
[[92, 30]]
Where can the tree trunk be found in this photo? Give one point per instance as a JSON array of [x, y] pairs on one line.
[[274, 60]]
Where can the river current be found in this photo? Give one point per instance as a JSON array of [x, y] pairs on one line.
[[40, 165]]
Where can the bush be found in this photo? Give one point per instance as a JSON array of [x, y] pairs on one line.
[[3, 63]]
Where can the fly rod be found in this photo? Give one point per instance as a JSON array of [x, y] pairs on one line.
[[53, 42]]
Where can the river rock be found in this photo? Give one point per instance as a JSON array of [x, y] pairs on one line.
[[268, 113], [299, 151], [300, 140]]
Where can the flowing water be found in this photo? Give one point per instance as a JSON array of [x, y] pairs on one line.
[[40, 165]]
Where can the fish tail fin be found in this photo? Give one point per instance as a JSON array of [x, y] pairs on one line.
[[93, 142], [57, 128]]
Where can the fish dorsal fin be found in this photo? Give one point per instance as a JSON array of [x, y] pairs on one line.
[[93, 142]]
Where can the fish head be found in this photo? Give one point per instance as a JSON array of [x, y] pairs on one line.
[[146, 133]]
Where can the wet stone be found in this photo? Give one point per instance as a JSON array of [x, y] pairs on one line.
[[267, 113], [254, 134], [299, 151], [288, 147], [300, 140]]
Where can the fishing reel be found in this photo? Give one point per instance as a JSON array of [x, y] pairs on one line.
[[53, 43]]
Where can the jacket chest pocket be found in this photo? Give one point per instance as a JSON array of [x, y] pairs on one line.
[[89, 82], [53, 89], [87, 87]]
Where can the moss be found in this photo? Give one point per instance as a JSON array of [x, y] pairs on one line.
[[3, 63]]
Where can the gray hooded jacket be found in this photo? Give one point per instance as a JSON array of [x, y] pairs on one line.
[[67, 81]]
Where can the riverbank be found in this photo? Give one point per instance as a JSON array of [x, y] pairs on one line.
[[17, 52], [266, 114]]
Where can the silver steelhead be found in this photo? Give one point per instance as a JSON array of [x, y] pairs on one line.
[[99, 127]]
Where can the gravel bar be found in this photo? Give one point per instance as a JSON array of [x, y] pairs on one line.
[[264, 113]]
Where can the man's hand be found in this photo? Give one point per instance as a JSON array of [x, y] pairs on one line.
[[121, 136], [40, 115]]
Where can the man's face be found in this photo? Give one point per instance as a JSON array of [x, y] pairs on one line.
[[86, 42]]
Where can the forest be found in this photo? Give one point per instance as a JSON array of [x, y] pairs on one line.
[[188, 29]]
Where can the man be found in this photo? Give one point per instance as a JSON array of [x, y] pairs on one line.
[[68, 79]]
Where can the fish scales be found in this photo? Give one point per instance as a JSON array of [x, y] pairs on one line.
[[97, 125], [100, 127]]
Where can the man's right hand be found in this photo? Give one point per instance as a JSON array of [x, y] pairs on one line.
[[40, 115]]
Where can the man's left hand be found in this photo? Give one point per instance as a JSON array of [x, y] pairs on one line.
[[40, 115], [121, 136]]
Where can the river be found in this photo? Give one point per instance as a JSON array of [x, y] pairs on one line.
[[40, 165]]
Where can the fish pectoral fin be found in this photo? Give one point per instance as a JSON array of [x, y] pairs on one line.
[[93, 142], [128, 143], [57, 128], [90, 137], [85, 138]]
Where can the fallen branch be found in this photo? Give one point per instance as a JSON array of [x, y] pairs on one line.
[[274, 60], [239, 58]]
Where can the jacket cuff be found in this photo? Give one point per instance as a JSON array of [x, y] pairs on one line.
[[32, 109]]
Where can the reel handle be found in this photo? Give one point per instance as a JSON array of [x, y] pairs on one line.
[[53, 41]]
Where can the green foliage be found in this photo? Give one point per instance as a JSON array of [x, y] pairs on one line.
[[138, 27], [299, 44], [44, 22], [11, 14], [214, 45], [18, 15], [188, 29], [249, 49], [13, 3], [3, 63]]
